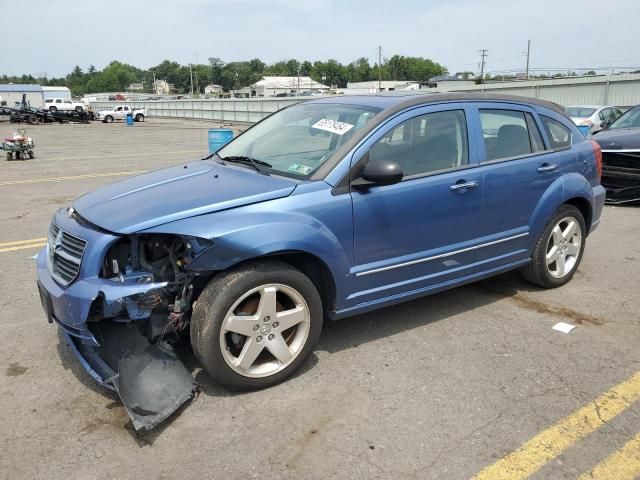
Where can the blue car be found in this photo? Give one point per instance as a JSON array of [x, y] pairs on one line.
[[326, 209]]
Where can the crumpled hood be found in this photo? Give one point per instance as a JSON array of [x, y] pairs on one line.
[[161, 196], [622, 139]]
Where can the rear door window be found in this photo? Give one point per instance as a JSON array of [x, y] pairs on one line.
[[559, 135], [509, 133]]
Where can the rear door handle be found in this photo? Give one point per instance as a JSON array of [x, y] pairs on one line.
[[546, 167], [462, 185]]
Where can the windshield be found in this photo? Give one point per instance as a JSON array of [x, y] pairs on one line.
[[629, 119], [580, 112], [296, 141]]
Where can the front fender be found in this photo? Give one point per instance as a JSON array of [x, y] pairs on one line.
[[296, 224], [296, 232]]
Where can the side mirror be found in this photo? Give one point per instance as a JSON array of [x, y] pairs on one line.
[[379, 172]]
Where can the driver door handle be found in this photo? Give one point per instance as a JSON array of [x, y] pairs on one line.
[[462, 185], [546, 167]]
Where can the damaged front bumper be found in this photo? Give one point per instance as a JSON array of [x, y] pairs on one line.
[[621, 176], [149, 377]]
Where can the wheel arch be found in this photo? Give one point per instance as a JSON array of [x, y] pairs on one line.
[[317, 271], [584, 206], [572, 189]]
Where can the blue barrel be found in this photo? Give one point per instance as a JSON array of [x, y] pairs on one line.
[[218, 138], [129, 119]]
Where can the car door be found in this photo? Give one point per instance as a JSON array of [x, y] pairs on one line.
[[517, 169], [117, 114], [419, 233]]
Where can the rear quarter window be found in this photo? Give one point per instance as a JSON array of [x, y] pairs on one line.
[[559, 135]]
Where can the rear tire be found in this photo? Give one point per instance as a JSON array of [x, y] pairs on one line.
[[79, 109], [32, 119], [559, 249], [53, 109], [245, 314], [31, 154], [139, 117]]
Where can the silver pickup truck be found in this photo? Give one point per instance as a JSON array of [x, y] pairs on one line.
[[120, 112]]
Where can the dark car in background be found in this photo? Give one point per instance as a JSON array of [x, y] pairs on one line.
[[620, 143]]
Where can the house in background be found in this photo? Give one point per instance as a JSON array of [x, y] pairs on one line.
[[213, 89], [162, 87]]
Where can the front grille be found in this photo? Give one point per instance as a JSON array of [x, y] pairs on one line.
[[621, 169], [65, 255]]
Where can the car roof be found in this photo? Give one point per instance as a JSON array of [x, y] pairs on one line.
[[400, 100], [586, 106]]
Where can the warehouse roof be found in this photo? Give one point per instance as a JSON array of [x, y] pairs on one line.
[[289, 82], [19, 87]]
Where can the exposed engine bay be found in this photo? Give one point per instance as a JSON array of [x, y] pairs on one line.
[[138, 334]]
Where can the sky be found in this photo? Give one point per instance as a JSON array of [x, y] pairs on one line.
[[564, 34]]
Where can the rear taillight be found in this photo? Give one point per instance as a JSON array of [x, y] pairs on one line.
[[597, 151]]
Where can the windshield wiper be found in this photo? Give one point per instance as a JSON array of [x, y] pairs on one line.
[[259, 165]]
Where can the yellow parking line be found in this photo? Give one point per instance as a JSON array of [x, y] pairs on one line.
[[70, 177], [621, 465], [550, 443], [22, 247], [20, 242]]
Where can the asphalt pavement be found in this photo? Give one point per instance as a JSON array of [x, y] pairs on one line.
[[470, 382]]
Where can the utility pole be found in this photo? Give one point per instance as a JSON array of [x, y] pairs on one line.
[[526, 73], [379, 68], [197, 84], [483, 55], [191, 76]]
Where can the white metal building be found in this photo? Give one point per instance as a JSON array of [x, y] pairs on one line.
[[273, 86], [56, 92], [373, 86], [10, 93], [447, 83]]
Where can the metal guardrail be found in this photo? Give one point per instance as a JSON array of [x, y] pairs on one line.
[[241, 111]]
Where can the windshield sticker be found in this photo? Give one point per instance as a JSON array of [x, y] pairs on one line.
[[301, 169], [333, 126]]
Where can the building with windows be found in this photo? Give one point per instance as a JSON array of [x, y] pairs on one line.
[[162, 87]]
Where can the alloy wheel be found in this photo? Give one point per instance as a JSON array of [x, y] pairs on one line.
[[563, 247], [265, 330]]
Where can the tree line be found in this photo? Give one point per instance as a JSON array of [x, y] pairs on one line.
[[117, 76]]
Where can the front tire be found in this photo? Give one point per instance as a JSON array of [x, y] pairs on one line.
[[559, 249], [108, 119], [253, 326]]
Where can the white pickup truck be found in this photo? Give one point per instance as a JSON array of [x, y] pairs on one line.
[[120, 112], [62, 105]]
